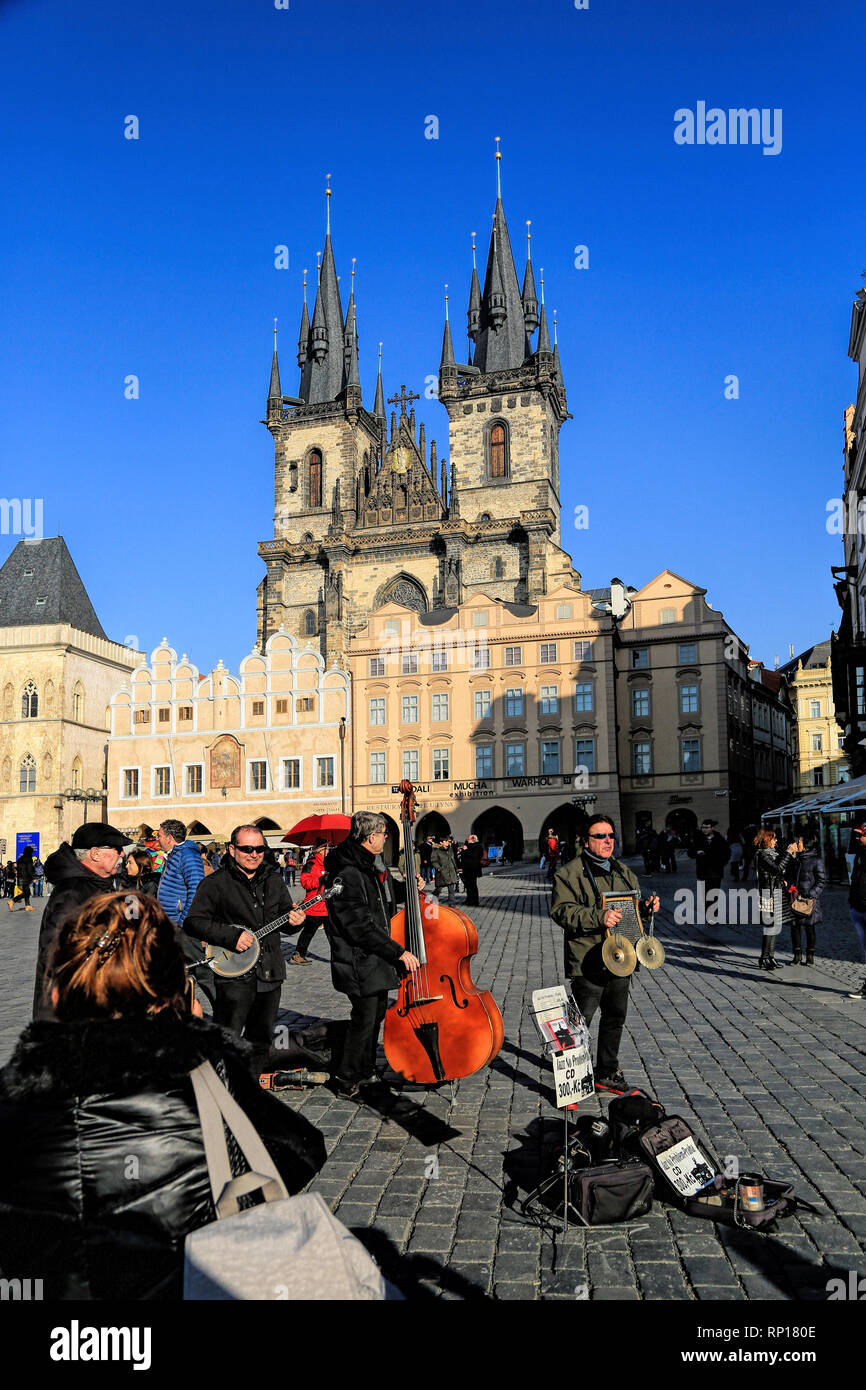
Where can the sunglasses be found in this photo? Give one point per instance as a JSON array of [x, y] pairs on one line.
[[251, 849], [602, 837]]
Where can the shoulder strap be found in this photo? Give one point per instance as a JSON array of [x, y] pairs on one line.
[[215, 1105]]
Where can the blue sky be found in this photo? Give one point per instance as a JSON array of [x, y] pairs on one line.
[[155, 257]]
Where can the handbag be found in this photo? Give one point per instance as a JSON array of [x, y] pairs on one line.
[[284, 1248], [799, 904]]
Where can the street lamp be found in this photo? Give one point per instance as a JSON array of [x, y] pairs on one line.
[[76, 794]]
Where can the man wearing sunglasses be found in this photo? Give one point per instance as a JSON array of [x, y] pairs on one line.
[[231, 905], [576, 906]]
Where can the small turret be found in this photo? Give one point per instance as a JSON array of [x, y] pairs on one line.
[[473, 314], [275, 392], [528, 297]]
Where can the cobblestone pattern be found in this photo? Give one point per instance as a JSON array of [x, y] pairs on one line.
[[769, 1069]]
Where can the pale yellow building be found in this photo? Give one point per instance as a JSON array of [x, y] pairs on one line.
[[501, 714], [58, 674], [267, 746], [819, 756]]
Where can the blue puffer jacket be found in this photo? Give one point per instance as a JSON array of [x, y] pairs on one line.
[[182, 873]]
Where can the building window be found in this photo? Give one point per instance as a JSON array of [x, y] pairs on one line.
[[76, 775], [547, 653], [305, 705], [483, 760], [142, 716], [377, 666], [130, 783], [184, 713], [817, 743], [29, 701], [513, 656], [840, 742], [377, 767], [584, 754], [497, 569], [480, 618], [410, 764], [814, 709], [27, 774], [687, 653], [481, 658], [668, 615], [550, 699], [642, 764], [291, 774], [163, 715], [583, 696], [325, 772], [409, 664], [482, 703], [640, 702], [691, 754], [315, 470], [258, 776], [515, 759], [639, 658], [309, 623], [377, 710], [550, 755], [688, 699], [861, 690], [498, 452], [514, 704], [162, 781], [258, 709], [409, 709], [563, 610], [583, 651], [439, 659], [194, 779], [440, 709], [441, 764], [817, 776], [282, 706]]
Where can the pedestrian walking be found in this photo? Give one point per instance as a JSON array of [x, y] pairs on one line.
[[735, 845], [444, 868], [711, 853], [668, 851], [39, 880], [24, 874], [311, 880], [470, 863], [290, 868], [857, 898]]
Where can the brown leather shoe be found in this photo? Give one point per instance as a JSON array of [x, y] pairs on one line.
[[300, 960]]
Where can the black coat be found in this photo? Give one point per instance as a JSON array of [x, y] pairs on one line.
[[710, 856], [811, 880], [775, 871], [227, 903], [73, 885], [857, 895], [102, 1164], [470, 860], [364, 958]]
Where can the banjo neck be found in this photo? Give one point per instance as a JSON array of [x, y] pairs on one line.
[[281, 921]]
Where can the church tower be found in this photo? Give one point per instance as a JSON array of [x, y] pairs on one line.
[[506, 405]]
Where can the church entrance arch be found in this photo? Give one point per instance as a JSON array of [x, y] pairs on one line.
[[392, 843], [497, 826], [567, 823]]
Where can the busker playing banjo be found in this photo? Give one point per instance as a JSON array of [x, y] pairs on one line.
[[577, 907], [230, 907]]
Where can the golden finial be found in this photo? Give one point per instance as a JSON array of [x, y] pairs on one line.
[[354, 258], [275, 335], [528, 239], [474, 234], [541, 272], [446, 303], [328, 205], [318, 266], [554, 328], [498, 157], [305, 285]]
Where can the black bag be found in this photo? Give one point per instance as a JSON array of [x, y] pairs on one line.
[[630, 1113], [611, 1192]]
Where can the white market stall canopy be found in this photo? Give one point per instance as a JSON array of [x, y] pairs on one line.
[[845, 796]]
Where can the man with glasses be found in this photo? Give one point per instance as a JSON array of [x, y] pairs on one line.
[[77, 872], [577, 907], [229, 907]]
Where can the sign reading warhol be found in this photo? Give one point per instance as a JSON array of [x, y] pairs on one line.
[[736, 126]]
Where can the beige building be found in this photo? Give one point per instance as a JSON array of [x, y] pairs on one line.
[[58, 674], [267, 746], [819, 757], [500, 713]]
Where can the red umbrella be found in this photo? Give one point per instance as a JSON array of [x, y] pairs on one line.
[[312, 829]]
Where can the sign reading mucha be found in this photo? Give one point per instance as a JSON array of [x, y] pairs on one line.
[[225, 763]]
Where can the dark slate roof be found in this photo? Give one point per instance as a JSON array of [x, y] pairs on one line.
[[520, 610], [54, 578], [436, 616], [815, 656], [498, 349]]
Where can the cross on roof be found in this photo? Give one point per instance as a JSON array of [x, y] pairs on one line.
[[405, 398]]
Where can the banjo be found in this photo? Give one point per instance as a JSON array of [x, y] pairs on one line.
[[223, 961]]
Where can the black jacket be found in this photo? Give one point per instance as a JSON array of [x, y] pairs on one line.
[[710, 856], [811, 879], [774, 872], [102, 1164], [857, 895], [470, 860], [364, 958], [227, 903], [73, 885]]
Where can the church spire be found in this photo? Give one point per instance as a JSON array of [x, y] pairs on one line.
[[543, 334], [529, 297], [501, 339], [447, 359], [275, 391], [379, 403], [327, 372], [304, 331], [473, 315]]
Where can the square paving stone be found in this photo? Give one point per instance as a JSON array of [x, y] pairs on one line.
[[435, 1239], [516, 1292], [614, 1293], [519, 1265], [662, 1282]]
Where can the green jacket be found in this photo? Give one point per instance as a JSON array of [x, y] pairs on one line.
[[577, 909]]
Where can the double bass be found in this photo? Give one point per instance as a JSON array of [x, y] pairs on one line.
[[441, 1027]]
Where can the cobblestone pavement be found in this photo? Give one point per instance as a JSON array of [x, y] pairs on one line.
[[769, 1069]]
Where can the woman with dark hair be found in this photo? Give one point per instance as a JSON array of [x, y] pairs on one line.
[[810, 881], [139, 873], [772, 869], [102, 1162]]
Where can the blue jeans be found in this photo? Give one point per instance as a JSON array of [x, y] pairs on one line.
[[859, 921]]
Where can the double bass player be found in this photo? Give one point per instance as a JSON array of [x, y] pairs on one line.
[[365, 962]]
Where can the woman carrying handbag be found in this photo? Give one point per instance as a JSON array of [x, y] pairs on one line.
[[806, 907], [772, 869]]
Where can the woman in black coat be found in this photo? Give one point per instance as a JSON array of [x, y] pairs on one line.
[[811, 881], [773, 870], [139, 873], [102, 1164]]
